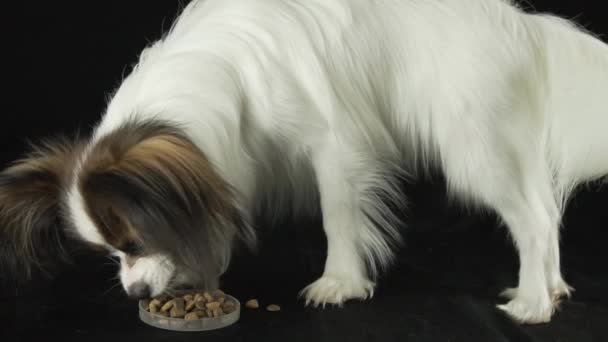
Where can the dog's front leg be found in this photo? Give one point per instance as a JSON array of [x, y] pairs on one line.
[[353, 242]]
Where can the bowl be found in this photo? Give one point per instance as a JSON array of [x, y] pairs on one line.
[[180, 324]]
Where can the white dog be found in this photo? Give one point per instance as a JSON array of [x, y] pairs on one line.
[[268, 101]]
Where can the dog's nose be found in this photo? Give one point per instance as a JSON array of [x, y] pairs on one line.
[[139, 290]]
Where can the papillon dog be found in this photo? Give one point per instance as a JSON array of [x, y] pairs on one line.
[[300, 105]]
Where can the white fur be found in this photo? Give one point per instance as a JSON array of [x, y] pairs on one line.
[[510, 106], [81, 220], [155, 271]]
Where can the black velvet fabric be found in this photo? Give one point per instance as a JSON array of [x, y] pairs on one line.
[[443, 287]]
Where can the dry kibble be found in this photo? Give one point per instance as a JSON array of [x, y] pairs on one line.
[[191, 316], [177, 312], [252, 304], [198, 296], [190, 305], [156, 302], [213, 305], [194, 306], [179, 303], [228, 306], [162, 299], [273, 307], [168, 305], [217, 312], [201, 305]]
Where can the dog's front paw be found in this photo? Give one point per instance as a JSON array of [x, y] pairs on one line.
[[557, 292], [560, 290], [528, 311], [337, 290]]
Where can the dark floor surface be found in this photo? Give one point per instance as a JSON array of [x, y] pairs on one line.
[[443, 289]]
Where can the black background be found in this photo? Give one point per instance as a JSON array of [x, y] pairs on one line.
[[70, 56]]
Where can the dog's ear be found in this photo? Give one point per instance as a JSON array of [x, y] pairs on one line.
[[31, 234], [150, 184]]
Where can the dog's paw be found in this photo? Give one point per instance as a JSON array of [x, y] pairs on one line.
[[527, 311], [560, 290], [337, 290], [557, 292]]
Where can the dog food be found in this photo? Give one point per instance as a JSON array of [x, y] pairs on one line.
[[252, 304], [192, 306], [191, 316], [273, 307]]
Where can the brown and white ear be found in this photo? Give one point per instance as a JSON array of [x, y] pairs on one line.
[[148, 182], [31, 233]]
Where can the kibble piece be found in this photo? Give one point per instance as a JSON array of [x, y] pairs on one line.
[[221, 300], [228, 306], [156, 302], [179, 303], [209, 313], [191, 316], [153, 308], [273, 307], [163, 313], [168, 305], [252, 304], [217, 312], [188, 297], [218, 293], [208, 297], [213, 305], [201, 305], [162, 298], [177, 312], [201, 313], [198, 296], [190, 305]]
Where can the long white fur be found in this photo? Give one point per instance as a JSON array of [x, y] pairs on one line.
[[511, 106]]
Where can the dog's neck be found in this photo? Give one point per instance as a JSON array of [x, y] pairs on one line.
[[194, 91]]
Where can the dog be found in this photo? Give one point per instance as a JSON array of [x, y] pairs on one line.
[[320, 104]]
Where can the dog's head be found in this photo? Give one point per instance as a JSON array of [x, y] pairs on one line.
[[144, 193]]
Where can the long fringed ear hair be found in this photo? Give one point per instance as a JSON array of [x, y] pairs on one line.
[[31, 229], [147, 184]]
